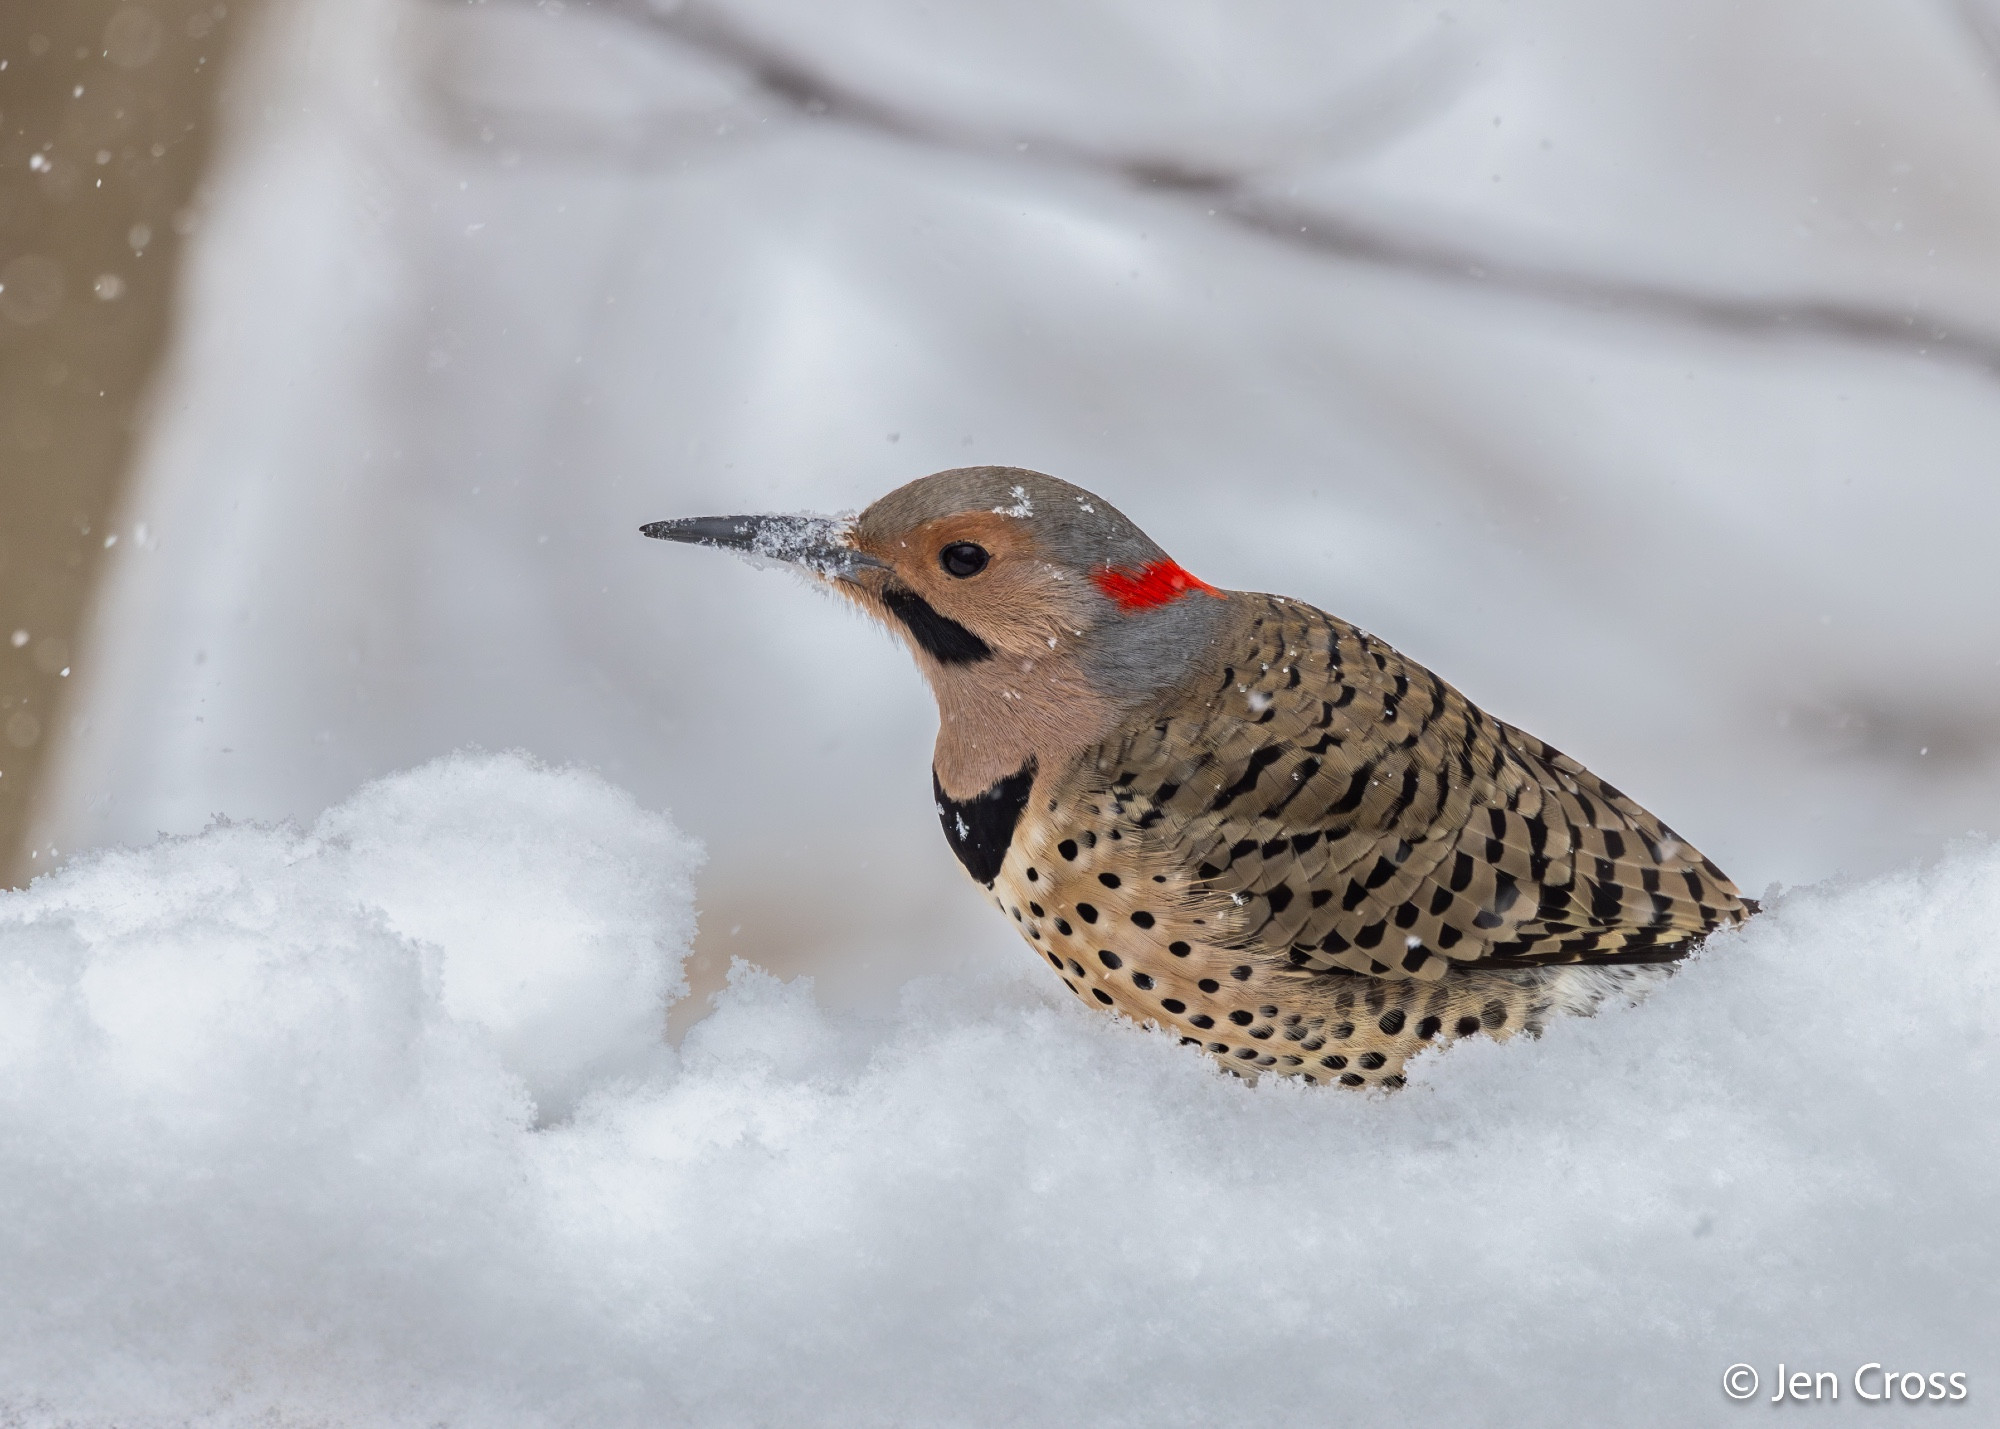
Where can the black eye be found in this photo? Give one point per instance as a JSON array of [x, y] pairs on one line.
[[962, 559]]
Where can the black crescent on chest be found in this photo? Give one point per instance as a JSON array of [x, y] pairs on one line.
[[979, 829]]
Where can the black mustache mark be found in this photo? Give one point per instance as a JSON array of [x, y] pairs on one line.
[[944, 639]]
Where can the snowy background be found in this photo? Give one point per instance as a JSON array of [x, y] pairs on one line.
[[1637, 367]]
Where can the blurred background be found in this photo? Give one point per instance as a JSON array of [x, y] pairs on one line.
[[1637, 367]]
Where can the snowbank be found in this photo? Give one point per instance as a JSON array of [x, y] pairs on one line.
[[367, 1124]]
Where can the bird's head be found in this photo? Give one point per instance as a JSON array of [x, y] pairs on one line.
[[1023, 598]]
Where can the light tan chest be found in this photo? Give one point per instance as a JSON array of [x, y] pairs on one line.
[[1125, 934]]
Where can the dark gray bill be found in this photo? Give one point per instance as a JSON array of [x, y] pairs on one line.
[[820, 543]]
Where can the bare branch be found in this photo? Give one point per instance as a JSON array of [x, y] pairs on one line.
[[1904, 330], [794, 85]]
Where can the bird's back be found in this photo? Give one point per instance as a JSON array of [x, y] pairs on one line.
[[1334, 805]]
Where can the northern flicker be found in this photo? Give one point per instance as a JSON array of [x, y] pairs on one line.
[[1234, 815]]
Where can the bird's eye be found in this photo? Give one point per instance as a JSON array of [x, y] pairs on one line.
[[962, 559]]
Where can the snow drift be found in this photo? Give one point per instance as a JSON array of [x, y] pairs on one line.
[[371, 1123]]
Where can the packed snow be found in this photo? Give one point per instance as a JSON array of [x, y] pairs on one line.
[[372, 1122]]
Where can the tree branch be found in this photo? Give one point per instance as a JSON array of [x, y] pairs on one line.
[[802, 90]]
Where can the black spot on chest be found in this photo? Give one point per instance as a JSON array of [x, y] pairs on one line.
[[979, 829], [944, 639]]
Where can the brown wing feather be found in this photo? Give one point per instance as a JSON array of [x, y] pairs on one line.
[[1339, 806]]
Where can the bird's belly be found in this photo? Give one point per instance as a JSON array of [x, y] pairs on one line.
[[1132, 940]]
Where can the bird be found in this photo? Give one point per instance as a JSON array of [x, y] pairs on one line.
[[1231, 815]]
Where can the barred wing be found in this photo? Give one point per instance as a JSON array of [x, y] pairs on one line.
[[1340, 806]]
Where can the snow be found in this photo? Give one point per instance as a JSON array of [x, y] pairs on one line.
[[802, 539], [369, 1122]]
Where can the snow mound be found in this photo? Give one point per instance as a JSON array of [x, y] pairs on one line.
[[371, 1124]]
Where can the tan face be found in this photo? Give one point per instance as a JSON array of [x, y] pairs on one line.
[[999, 580], [978, 570]]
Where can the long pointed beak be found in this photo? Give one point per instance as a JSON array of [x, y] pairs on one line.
[[822, 544]]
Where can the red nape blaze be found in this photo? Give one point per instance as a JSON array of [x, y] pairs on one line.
[[1161, 583]]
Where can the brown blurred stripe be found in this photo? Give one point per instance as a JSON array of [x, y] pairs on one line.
[[105, 131]]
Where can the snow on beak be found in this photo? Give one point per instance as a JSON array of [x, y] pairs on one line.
[[820, 544]]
